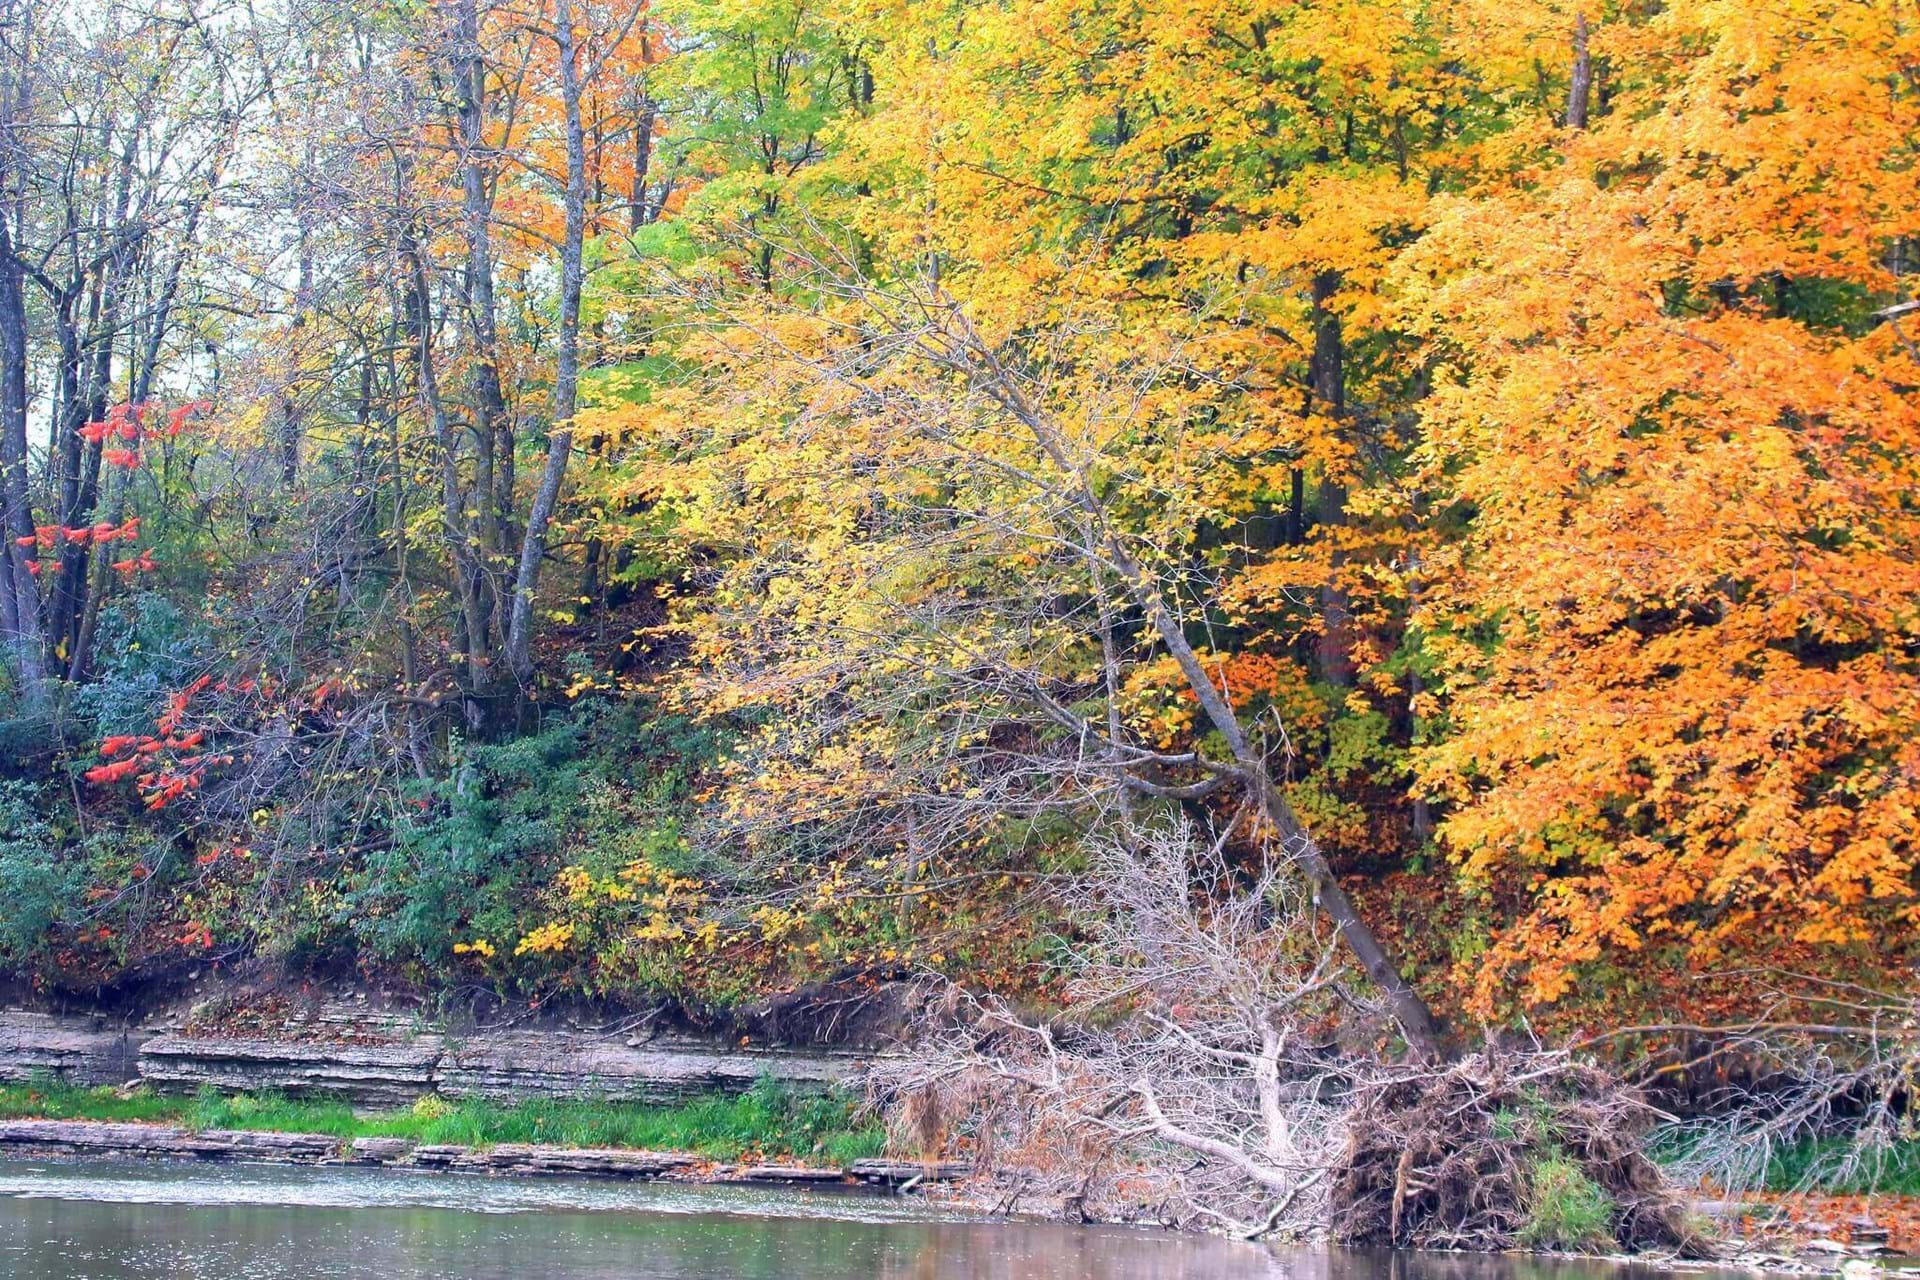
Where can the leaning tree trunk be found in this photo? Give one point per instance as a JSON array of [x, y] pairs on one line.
[[984, 368]]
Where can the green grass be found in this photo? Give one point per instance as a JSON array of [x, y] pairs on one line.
[[1811, 1163], [42, 1101], [766, 1121], [1567, 1209], [1815, 1164]]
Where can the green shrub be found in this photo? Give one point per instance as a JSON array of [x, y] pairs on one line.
[[1567, 1209], [40, 886]]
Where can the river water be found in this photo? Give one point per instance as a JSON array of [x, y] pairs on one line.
[[113, 1220]]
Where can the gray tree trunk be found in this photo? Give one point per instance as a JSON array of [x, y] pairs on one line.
[[566, 380], [1580, 89]]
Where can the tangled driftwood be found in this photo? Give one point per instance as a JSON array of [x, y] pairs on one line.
[[1458, 1158], [1217, 1072]]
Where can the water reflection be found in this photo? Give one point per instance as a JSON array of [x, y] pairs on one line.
[[1386, 1264], [121, 1222], [130, 1221]]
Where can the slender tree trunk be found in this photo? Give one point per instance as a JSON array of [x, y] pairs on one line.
[[566, 382], [22, 605], [1296, 506], [1327, 391], [468, 582], [19, 594], [480, 586], [470, 83], [291, 426], [1580, 88], [982, 365], [638, 213]]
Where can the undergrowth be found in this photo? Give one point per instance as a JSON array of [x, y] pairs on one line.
[[1567, 1209], [1827, 1164]]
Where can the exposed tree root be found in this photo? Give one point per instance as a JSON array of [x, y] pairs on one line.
[[1497, 1152], [1218, 1074]]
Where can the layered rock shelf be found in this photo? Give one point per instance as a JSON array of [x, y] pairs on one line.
[[376, 1075], [379, 1061], [79, 1050], [99, 1138]]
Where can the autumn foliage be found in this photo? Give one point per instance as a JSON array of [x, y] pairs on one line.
[[1476, 439]]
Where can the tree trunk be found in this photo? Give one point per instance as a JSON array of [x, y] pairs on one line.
[[566, 381], [639, 215], [492, 431], [1327, 390], [21, 613], [468, 579], [1580, 88], [291, 426]]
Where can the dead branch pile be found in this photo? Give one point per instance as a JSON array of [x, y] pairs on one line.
[[1217, 1073], [1503, 1151], [1196, 1084]]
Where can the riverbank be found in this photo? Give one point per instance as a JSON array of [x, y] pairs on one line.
[[356, 1077], [362, 1049], [764, 1138], [766, 1120], [740, 1143]]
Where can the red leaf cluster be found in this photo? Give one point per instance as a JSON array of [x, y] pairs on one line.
[[167, 764]]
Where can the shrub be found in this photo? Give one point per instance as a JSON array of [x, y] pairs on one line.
[[37, 884], [1567, 1209]]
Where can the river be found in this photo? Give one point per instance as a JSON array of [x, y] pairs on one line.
[[115, 1220]]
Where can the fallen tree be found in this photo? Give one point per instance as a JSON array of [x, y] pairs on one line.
[[1218, 1071]]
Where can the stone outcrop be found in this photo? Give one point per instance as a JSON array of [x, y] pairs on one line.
[[521, 1064], [529, 1159], [380, 1061], [80, 1050], [371, 1075], [99, 1138], [894, 1173]]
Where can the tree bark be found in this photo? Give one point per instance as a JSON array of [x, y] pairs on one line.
[[640, 214], [1327, 390], [19, 594], [1580, 87], [22, 596], [566, 381], [467, 574], [492, 431]]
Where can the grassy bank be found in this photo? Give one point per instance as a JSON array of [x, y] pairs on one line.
[[1818, 1164], [766, 1121], [1822, 1166]]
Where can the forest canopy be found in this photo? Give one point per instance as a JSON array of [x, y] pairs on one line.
[[695, 498]]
